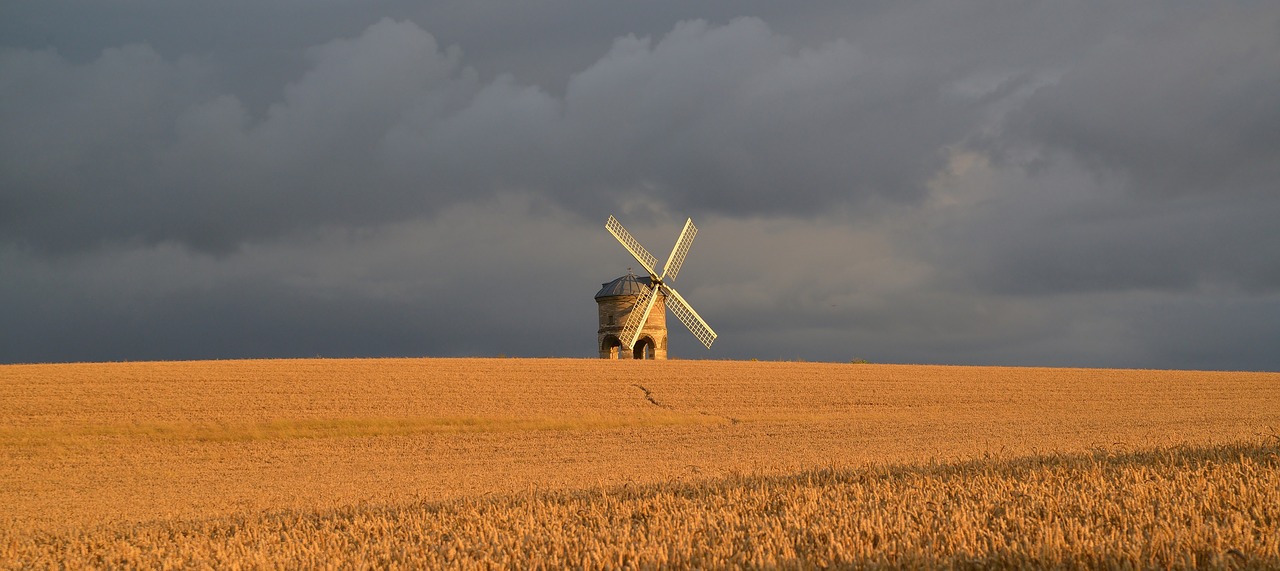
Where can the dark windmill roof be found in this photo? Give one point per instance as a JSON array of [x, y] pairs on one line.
[[625, 285]]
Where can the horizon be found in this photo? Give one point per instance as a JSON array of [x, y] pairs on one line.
[[850, 363]]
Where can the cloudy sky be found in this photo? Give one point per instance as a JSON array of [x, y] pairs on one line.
[[1059, 183]]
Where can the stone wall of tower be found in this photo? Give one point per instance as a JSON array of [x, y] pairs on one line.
[[613, 315]]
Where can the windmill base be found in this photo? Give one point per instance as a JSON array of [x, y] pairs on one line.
[[646, 348]]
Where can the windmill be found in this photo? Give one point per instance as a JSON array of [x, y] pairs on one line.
[[648, 294]]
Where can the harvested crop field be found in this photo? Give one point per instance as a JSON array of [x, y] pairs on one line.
[[599, 463]]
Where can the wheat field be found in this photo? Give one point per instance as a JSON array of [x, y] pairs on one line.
[[563, 462]]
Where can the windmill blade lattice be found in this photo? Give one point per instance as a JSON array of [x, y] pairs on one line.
[[647, 261], [689, 317], [678, 253]]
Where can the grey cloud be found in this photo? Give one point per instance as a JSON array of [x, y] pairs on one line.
[[120, 152], [389, 125], [1046, 183], [734, 119], [78, 138], [1062, 230], [515, 276], [1183, 104], [506, 275]]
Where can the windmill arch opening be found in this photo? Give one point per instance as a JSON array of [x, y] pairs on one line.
[[610, 347], [644, 348]]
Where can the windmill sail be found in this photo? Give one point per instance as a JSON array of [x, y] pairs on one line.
[[689, 317], [681, 249], [632, 245], [645, 301]]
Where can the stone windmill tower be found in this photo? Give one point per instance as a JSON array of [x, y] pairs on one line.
[[617, 299], [629, 326]]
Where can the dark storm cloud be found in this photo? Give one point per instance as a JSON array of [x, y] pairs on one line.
[[389, 125], [1061, 229], [1055, 183], [1148, 163], [734, 119], [1183, 104], [499, 276], [117, 149]]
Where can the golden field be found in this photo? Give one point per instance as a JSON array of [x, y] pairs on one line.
[[553, 462]]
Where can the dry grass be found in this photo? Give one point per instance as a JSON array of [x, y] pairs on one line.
[[368, 461], [1215, 507]]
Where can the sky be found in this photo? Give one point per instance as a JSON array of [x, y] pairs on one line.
[[1063, 183]]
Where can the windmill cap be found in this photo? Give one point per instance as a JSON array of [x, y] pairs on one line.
[[625, 285]]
